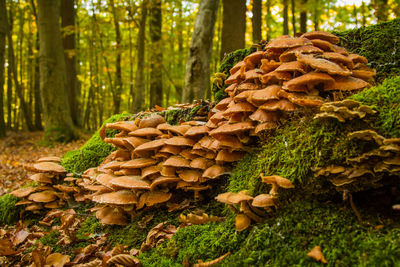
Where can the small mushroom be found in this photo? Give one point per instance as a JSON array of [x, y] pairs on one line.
[[276, 181]]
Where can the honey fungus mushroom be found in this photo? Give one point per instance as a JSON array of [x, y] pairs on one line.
[[276, 181]]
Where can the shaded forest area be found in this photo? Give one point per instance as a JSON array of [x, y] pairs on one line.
[[67, 65]]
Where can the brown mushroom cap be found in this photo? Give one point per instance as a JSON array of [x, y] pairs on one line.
[[292, 66], [279, 180], [187, 154], [261, 96], [233, 78], [177, 161], [241, 107], [152, 198], [227, 156], [197, 130], [146, 132], [105, 179], [49, 159], [254, 58], [348, 84], [282, 104], [263, 200], [43, 196], [358, 59], [230, 142], [237, 67], [163, 180], [201, 163], [265, 126], [49, 167], [214, 172], [149, 171], [190, 175], [149, 146], [23, 192], [134, 182], [282, 42], [121, 197], [337, 57], [327, 36], [138, 163], [269, 65], [42, 178], [180, 141], [323, 65], [170, 149], [261, 115], [310, 80], [242, 222], [324, 45], [232, 128], [112, 216], [112, 165], [151, 121], [290, 55], [223, 103], [246, 86], [122, 126], [134, 141]]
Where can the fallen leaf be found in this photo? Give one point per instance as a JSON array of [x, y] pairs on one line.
[[6, 248]]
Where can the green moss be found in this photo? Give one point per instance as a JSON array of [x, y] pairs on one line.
[[9, 213], [227, 63], [379, 44], [90, 227], [58, 135], [386, 101], [51, 240], [93, 152]]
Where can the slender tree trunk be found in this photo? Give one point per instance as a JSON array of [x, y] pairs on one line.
[[364, 16], [381, 8], [233, 26], [118, 72], [9, 80], [68, 14], [268, 20], [256, 20], [316, 15], [181, 70], [56, 111], [285, 17], [355, 14], [293, 17], [156, 58], [139, 79], [3, 33], [303, 16], [197, 78]]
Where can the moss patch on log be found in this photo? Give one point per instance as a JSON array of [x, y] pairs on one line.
[[9, 213]]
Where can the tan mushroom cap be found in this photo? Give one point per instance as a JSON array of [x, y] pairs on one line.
[[309, 80], [324, 45], [23, 202], [254, 58], [170, 149], [149, 171], [122, 126], [217, 117], [33, 207], [168, 171], [233, 78], [23, 192], [253, 74], [187, 154], [151, 121], [282, 42], [98, 188], [221, 105], [197, 130], [112, 216], [269, 65], [121, 197], [49, 167], [278, 180], [247, 86], [244, 95], [53, 205], [337, 57], [112, 165], [323, 65], [261, 115], [290, 55], [282, 104], [364, 74], [177, 161], [233, 198], [292, 66], [134, 182], [66, 188], [134, 141], [152, 198], [49, 159], [276, 76], [116, 141], [138, 163], [302, 99], [43, 196], [214, 172], [265, 126], [191, 176], [240, 107], [232, 128], [327, 36], [201, 163], [227, 156], [348, 84], [180, 141], [229, 142], [149, 146], [237, 67], [146, 132], [163, 180], [263, 200], [105, 179], [358, 59], [242, 222], [230, 91], [261, 96], [42, 178]]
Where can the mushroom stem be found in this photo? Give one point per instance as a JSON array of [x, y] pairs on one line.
[[274, 190], [232, 208], [346, 194], [244, 207], [259, 212]]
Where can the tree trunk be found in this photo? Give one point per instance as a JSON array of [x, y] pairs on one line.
[[3, 33], [233, 26], [268, 20], [285, 17], [303, 16], [68, 14], [56, 111], [181, 70], [156, 58], [118, 72], [139, 79], [256, 20], [316, 15], [381, 8], [363, 13], [293, 17], [197, 77]]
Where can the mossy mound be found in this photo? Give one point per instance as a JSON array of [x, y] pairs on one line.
[[9, 213], [379, 44]]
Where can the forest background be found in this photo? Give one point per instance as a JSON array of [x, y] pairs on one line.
[[126, 56]]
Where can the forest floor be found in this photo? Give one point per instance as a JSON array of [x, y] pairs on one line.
[[24, 147]]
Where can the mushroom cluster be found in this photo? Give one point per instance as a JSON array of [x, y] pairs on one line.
[[288, 74], [155, 160], [369, 167], [254, 208], [344, 110], [47, 173]]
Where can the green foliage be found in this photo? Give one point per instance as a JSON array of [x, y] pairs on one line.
[[58, 135], [93, 152], [51, 240], [379, 44], [89, 227], [227, 63], [386, 101], [9, 213]]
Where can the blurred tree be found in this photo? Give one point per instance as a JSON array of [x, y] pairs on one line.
[[285, 17], [3, 33], [293, 17], [197, 77], [303, 16], [256, 20], [381, 9]]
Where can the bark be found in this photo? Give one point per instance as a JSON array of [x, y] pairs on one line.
[[3, 33], [293, 16], [156, 57], [68, 14], [9, 79], [56, 110], [233, 26], [256, 20], [197, 77], [285, 17], [381, 8], [316, 15], [139, 79], [268, 20], [181, 70], [364, 16], [118, 72], [303, 17]]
